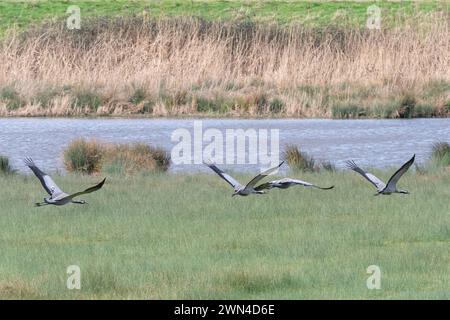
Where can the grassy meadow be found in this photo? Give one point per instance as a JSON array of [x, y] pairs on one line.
[[183, 236], [160, 235], [21, 14], [302, 59]]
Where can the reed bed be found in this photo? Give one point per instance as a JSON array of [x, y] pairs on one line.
[[188, 66]]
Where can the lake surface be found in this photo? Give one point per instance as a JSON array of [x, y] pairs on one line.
[[372, 143]]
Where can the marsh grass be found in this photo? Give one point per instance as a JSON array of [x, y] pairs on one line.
[[276, 105], [440, 154], [86, 99], [11, 98], [5, 166], [180, 65], [92, 156], [44, 97], [328, 166], [84, 156], [134, 158], [348, 111], [404, 105], [161, 237], [298, 160]]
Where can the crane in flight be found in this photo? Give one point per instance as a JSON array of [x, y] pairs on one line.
[[239, 189], [251, 188], [57, 196], [382, 188]]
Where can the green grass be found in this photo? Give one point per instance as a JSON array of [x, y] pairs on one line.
[[12, 98], [86, 98], [24, 13], [184, 236]]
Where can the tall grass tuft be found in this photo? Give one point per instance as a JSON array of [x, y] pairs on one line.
[[136, 157], [161, 157], [92, 156], [11, 98], [440, 155], [5, 166], [328, 166], [298, 160], [86, 98], [407, 103], [84, 156]]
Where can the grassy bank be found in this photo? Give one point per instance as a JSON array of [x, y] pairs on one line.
[[183, 236], [21, 14]]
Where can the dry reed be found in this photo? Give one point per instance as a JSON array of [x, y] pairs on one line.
[[177, 66]]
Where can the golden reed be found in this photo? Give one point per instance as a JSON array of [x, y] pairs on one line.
[[185, 66]]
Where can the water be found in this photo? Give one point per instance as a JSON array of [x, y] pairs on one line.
[[373, 143]]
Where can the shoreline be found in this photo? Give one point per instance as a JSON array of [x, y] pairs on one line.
[[206, 117]]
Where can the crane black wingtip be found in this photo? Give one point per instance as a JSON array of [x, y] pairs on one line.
[[28, 161], [411, 161], [102, 182], [350, 164]]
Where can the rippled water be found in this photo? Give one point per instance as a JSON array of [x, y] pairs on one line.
[[374, 143]]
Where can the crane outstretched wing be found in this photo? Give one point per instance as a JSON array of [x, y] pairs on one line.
[[46, 181], [233, 182], [88, 190], [380, 185], [260, 176], [304, 183], [287, 182], [400, 172]]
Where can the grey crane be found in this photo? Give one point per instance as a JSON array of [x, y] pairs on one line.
[[288, 182], [382, 188], [57, 196], [240, 189]]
